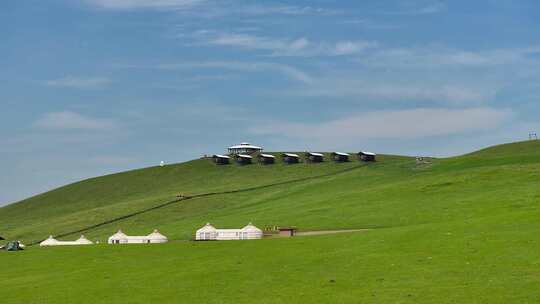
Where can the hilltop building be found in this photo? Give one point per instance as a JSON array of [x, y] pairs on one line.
[[210, 233], [315, 157], [290, 158], [244, 159], [366, 156], [244, 148], [153, 238], [221, 159], [340, 157], [266, 159], [54, 242]]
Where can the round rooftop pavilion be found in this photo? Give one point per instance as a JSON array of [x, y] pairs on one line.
[[244, 148]]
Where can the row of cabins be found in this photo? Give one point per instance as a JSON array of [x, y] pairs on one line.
[[291, 158]]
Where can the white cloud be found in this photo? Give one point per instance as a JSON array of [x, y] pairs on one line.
[[256, 42], [68, 120], [144, 4], [351, 47], [79, 82], [368, 90], [398, 124], [444, 57], [285, 10], [419, 8], [287, 70], [288, 47]]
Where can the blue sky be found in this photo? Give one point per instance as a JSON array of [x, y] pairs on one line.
[[97, 86]]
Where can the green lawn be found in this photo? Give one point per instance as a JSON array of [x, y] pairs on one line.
[[462, 230]]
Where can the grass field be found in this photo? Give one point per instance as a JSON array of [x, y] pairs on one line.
[[461, 230]]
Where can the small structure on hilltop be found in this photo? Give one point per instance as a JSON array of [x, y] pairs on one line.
[[266, 159], [367, 156], [244, 148], [420, 160], [54, 242], [313, 157], [290, 158], [287, 231], [221, 159], [210, 233], [153, 238], [340, 157], [244, 159]]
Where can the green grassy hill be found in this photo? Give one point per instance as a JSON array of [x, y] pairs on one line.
[[458, 230]]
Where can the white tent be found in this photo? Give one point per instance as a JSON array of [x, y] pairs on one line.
[[156, 237], [209, 232], [121, 238], [54, 242]]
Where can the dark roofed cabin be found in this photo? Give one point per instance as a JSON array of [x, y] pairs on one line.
[[366, 156], [266, 159], [314, 157], [290, 158], [221, 159], [340, 157], [243, 159]]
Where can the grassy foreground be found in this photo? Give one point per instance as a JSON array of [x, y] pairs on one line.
[[461, 230]]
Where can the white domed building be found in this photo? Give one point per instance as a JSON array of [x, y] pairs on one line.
[[155, 237], [210, 233], [244, 148], [54, 242], [121, 238]]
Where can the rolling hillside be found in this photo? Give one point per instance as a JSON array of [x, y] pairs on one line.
[[458, 230]]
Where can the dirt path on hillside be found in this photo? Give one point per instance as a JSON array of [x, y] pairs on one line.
[[322, 232]]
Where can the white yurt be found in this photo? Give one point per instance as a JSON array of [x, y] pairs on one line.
[[49, 242], [207, 232], [54, 242], [251, 232], [83, 241], [156, 237], [153, 238], [118, 238]]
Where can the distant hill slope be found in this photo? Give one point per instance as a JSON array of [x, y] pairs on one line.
[[395, 191]]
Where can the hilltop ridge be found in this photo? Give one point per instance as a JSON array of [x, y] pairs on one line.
[[129, 195]]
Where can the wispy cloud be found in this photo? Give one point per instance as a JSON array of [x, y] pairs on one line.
[[445, 57], [79, 82], [67, 120], [144, 4], [419, 8], [267, 9], [288, 47], [289, 71], [402, 124], [205, 8], [374, 90]]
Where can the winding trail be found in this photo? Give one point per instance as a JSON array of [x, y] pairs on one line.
[[189, 197]]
